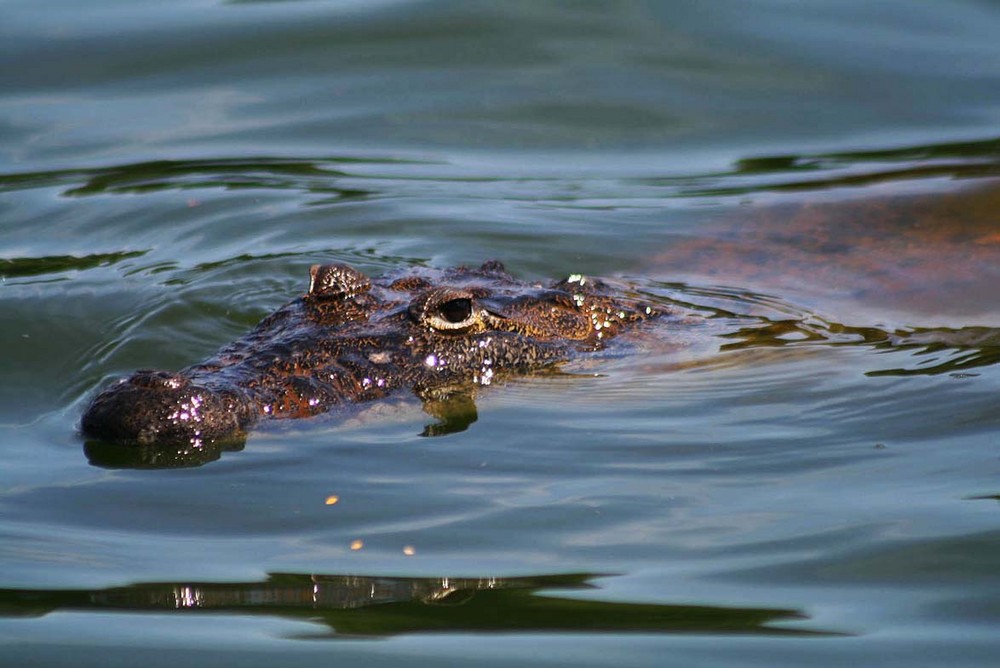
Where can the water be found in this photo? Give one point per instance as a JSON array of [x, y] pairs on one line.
[[805, 476]]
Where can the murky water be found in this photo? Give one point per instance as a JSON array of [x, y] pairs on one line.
[[806, 474]]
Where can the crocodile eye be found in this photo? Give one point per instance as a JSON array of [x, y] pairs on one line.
[[447, 310], [456, 311], [454, 315]]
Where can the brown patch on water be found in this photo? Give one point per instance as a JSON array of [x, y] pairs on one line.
[[900, 258]]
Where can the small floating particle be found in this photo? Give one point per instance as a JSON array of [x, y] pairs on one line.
[[409, 551], [332, 499], [357, 544]]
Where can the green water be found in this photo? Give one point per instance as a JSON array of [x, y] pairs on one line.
[[807, 475]]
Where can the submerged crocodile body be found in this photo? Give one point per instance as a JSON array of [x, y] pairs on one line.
[[352, 339]]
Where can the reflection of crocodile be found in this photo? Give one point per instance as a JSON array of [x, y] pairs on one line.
[[351, 339], [383, 606]]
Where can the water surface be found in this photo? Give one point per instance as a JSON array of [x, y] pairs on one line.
[[807, 475]]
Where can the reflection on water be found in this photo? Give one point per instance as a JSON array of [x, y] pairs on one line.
[[357, 605], [182, 455]]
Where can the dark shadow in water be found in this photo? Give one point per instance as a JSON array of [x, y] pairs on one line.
[[455, 412], [314, 175], [19, 267], [361, 606], [261, 173], [977, 159], [188, 455], [986, 149]]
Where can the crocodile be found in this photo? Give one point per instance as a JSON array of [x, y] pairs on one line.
[[896, 271], [352, 339]]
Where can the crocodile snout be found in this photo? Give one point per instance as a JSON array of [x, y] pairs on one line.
[[157, 406]]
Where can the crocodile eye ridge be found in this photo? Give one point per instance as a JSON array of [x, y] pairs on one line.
[[336, 280]]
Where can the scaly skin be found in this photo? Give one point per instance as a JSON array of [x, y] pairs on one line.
[[352, 340]]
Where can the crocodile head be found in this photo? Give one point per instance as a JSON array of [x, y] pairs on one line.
[[350, 339]]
